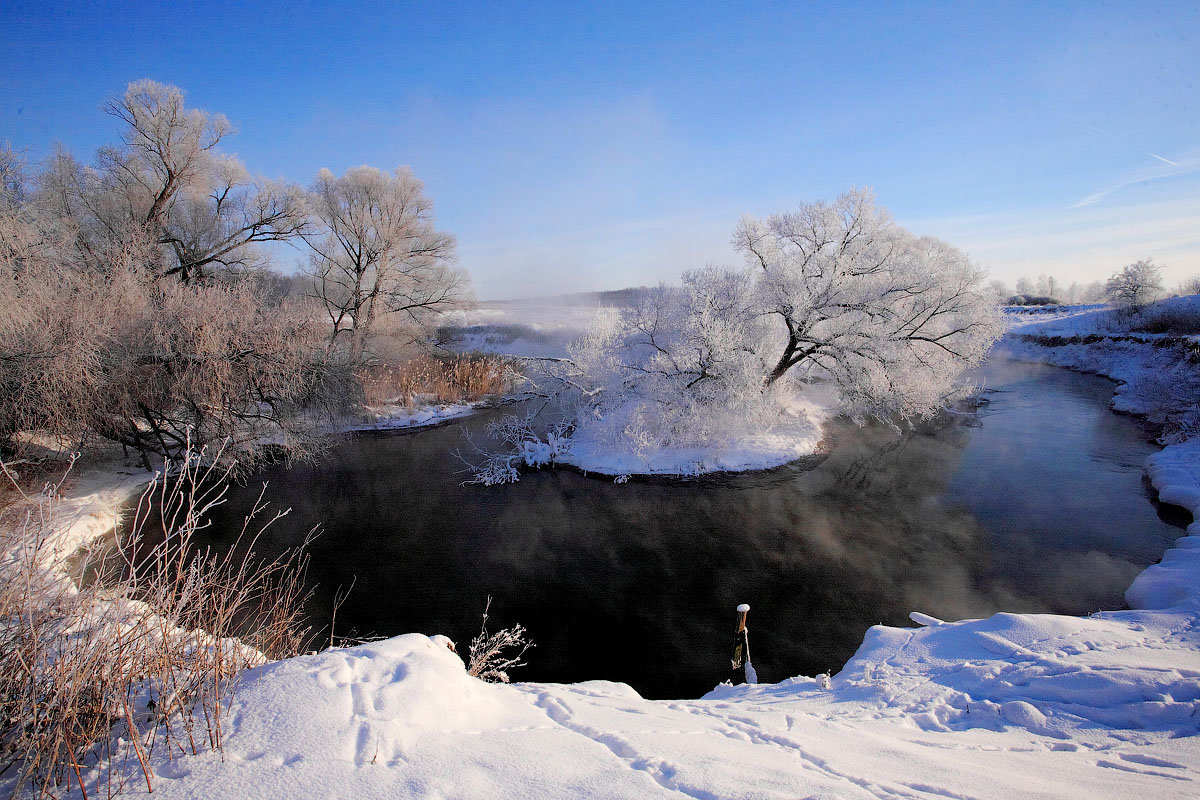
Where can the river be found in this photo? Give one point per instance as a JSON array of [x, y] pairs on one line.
[[1035, 502]]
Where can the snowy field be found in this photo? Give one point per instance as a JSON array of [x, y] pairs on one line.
[[1014, 706]]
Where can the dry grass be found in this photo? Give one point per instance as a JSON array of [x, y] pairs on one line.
[[490, 657], [94, 675], [460, 379], [1172, 319]]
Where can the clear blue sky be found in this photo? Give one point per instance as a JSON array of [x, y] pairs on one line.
[[584, 147]]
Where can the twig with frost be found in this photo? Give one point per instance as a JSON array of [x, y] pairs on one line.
[[522, 445], [487, 660]]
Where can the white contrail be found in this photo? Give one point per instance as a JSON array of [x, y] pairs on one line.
[[1127, 144]]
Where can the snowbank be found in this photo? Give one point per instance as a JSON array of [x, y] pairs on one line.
[[90, 508], [1175, 581], [1013, 707], [797, 434], [387, 418]]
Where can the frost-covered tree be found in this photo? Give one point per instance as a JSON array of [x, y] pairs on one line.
[[1047, 286], [1189, 285], [114, 323], [169, 181], [679, 366], [833, 291], [1092, 292], [891, 317], [1135, 285], [378, 254], [1000, 291]]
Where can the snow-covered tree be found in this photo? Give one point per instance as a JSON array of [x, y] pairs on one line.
[[1189, 285], [680, 366], [377, 253], [1135, 284], [168, 180], [1047, 286], [118, 318], [832, 291], [1000, 291], [890, 316]]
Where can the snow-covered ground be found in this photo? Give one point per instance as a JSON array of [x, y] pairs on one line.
[[397, 417], [1013, 706], [1016, 706], [796, 435], [92, 494]]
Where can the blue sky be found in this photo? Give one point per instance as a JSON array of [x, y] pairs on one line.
[[571, 146]]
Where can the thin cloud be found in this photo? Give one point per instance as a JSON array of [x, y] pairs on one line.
[[1079, 245], [1183, 167], [1127, 144]]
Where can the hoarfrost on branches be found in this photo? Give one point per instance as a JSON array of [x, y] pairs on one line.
[[523, 445], [891, 317], [1135, 285], [833, 292], [488, 660]]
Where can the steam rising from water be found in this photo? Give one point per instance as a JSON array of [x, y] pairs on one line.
[[637, 582]]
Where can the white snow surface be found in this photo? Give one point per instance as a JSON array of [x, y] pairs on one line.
[[797, 434], [422, 415], [1016, 706]]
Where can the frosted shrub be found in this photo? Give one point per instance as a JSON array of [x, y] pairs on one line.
[[522, 444], [488, 659]]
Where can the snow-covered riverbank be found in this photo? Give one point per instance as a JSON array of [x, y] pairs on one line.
[[1013, 706], [398, 417], [1157, 378], [798, 433]]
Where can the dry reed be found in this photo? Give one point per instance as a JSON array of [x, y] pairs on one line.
[[95, 674], [458, 379]]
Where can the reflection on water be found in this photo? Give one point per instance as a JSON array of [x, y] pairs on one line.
[[1039, 507]]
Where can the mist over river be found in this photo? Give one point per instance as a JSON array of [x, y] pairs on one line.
[[1035, 502]]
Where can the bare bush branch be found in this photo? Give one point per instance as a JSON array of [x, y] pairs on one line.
[[488, 660]]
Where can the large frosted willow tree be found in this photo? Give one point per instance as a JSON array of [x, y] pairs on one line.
[[893, 318], [832, 291], [377, 255]]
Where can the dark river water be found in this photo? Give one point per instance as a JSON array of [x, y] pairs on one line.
[[1034, 503]]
